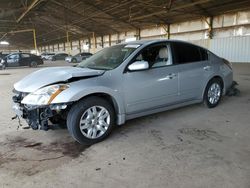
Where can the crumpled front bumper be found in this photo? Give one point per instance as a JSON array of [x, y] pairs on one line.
[[37, 116]]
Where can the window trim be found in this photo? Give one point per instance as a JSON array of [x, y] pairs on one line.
[[199, 47], [168, 45]]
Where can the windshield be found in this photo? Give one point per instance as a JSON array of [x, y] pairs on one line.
[[109, 58]]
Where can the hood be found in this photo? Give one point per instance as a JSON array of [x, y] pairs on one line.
[[48, 76]]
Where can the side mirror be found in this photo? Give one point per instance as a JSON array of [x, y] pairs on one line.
[[138, 65]]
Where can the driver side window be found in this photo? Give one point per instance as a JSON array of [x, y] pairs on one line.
[[156, 55]]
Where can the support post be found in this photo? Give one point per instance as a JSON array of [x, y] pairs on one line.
[[90, 45], [102, 41], [138, 34], [168, 31], [109, 39], [210, 28], [94, 40], [79, 45], [68, 43], [34, 37]]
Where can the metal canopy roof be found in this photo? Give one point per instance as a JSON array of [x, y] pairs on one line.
[[52, 18]]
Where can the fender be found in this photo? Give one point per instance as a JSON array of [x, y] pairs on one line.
[[77, 92], [210, 78]]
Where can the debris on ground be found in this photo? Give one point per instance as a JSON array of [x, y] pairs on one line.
[[233, 91], [33, 145], [179, 138]]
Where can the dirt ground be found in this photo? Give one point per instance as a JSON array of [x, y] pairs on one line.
[[189, 147]]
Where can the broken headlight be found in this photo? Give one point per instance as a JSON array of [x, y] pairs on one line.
[[44, 96]]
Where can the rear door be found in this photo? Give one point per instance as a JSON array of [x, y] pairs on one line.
[[194, 69], [152, 88], [13, 60], [25, 59]]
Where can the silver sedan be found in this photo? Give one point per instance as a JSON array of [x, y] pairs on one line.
[[119, 83]]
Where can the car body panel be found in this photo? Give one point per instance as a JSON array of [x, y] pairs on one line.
[[152, 88], [59, 56], [135, 93], [21, 59], [53, 75], [47, 55], [192, 77], [78, 57]]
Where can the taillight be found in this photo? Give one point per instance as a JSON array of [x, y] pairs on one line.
[[228, 64]]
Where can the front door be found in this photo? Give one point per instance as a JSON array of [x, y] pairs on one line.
[[155, 87], [13, 60], [25, 59]]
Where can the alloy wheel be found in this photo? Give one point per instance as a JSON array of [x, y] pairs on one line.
[[214, 93], [94, 122]]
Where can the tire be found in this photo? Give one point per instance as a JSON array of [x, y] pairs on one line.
[[4, 66], [74, 60], [101, 125], [33, 64], [213, 93], [58, 121]]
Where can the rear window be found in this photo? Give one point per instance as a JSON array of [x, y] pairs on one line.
[[187, 53]]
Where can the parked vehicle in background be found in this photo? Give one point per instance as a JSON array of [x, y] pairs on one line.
[[46, 55], [119, 83], [59, 56], [78, 57], [21, 59], [2, 55]]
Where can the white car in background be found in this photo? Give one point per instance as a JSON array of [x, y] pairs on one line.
[[46, 56], [78, 57]]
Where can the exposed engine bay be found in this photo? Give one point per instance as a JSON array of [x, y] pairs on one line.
[[38, 117]]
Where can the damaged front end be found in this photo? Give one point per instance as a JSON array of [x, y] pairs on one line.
[[38, 116], [233, 91]]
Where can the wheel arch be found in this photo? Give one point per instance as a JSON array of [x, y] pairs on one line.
[[211, 78], [111, 96], [105, 96]]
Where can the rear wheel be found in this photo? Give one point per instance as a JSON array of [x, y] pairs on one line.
[[33, 64], [213, 93], [90, 120]]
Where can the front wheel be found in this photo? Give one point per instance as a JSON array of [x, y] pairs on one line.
[[213, 93], [3, 66], [90, 120]]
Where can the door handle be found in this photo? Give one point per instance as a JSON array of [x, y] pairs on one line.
[[207, 68], [171, 76]]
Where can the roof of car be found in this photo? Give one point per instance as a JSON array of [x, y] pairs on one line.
[[151, 41], [147, 41]]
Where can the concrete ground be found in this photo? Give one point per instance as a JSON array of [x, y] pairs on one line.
[[189, 147]]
